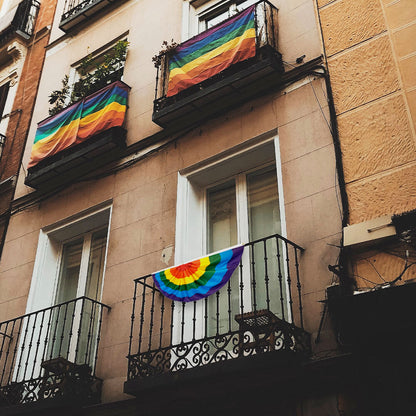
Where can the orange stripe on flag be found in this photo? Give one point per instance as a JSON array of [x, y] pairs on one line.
[[245, 50]]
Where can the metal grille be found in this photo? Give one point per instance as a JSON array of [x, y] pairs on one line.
[[73, 8], [265, 16], [47, 352], [25, 17], [23, 21], [258, 311]]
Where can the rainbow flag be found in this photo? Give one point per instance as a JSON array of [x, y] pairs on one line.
[[98, 112], [199, 278], [212, 51]]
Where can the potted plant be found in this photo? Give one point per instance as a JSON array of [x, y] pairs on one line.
[[95, 73]]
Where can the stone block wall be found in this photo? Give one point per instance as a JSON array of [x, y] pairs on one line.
[[371, 52]]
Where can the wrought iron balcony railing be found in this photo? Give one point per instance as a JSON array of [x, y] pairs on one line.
[[242, 80], [78, 11], [20, 20], [51, 354], [258, 311]]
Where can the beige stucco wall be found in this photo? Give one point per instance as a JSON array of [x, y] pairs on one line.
[[370, 50], [143, 196]]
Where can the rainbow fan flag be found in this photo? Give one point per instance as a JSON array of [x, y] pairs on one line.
[[98, 112], [199, 278], [212, 51]]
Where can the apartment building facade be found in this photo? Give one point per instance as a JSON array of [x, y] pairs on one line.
[[227, 138]]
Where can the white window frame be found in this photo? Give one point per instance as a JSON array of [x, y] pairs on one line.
[[74, 74], [191, 212], [194, 11], [192, 197], [45, 278]]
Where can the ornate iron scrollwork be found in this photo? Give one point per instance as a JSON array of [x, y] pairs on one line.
[[210, 350], [76, 383]]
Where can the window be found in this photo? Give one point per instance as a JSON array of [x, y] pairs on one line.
[[80, 274], [81, 268], [4, 90], [221, 11], [2, 143], [4, 108], [70, 259], [4, 104], [63, 316], [205, 14], [256, 193], [234, 201], [70, 264], [99, 69]]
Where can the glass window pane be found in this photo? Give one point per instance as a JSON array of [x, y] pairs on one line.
[[264, 220], [263, 204], [62, 318], [222, 233], [222, 218], [69, 271], [217, 18], [96, 264]]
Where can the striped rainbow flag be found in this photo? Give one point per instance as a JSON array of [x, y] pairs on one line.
[[199, 278], [98, 112], [212, 51]]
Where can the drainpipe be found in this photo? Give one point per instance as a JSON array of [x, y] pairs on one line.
[[341, 269]]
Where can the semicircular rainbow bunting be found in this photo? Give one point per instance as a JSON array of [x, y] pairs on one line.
[[95, 113], [212, 51], [199, 278]]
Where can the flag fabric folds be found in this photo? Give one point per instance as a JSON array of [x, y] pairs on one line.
[[199, 278], [94, 114], [212, 51]]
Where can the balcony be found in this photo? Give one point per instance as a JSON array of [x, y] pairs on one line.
[[253, 322], [251, 67], [48, 357], [79, 11], [71, 143], [19, 20]]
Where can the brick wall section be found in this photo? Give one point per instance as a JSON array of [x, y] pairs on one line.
[[371, 58], [22, 110], [26, 93]]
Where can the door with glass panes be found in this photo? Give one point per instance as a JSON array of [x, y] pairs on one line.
[[245, 208], [80, 275]]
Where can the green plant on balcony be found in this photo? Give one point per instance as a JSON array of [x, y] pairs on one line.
[[167, 48], [95, 73]]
